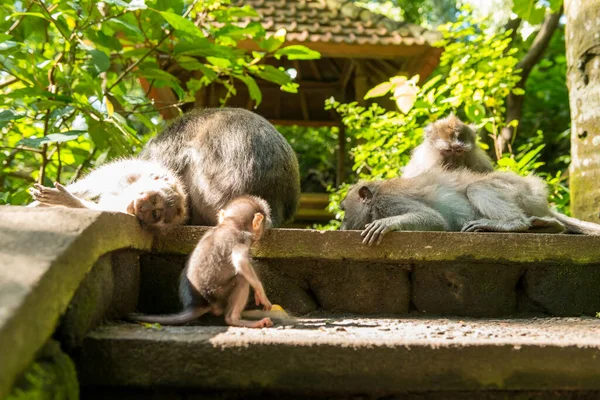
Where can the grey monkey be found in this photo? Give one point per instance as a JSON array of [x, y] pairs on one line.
[[451, 144], [207, 156], [460, 200], [224, 153]]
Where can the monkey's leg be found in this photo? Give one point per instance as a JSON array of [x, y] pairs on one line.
[[546, 225], [236, 304], [244, 268], [489, 225], [59, 196], [423, 218]]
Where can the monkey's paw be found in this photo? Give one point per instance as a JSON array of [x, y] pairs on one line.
[[480, 225], [374, 232], [262, 299], [57, 196], [264, 323]]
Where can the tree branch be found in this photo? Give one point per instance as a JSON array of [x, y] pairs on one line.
[[514, 103]]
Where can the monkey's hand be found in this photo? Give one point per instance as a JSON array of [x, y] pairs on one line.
[[261, 298], [374, 232], [57, 196]]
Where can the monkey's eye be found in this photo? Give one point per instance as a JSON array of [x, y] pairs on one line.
[[155, 215], [153, 200]]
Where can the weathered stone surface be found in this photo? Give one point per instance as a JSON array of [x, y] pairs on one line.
[[46, 253], [292, 294], [102, 393], [337, 355], [474, 290], [126, 285], [408, 247], [361, 288], [159, 283], [89, 304], [565, 290]]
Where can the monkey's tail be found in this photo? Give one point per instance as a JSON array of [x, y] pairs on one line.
[[575, 225], [183, 317]]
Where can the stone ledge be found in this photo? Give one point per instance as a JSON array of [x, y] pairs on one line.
[[408, 247], [345, 355], [46, 253]]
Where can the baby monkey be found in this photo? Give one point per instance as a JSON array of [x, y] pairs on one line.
[[448, 143], [145, 189], [218, 274]]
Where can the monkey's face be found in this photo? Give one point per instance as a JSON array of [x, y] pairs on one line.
[[357, 208], [451, 138], [158, 205]]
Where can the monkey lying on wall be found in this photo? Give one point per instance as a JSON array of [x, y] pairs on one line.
[[219, 273], [451, 144], [145, 189], [460, 200], [214, 155]]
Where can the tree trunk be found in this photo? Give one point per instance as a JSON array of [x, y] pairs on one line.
[[583, 81]]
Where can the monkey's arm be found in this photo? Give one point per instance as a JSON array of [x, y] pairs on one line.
[[416, 217], [59, 196], [241, 262]]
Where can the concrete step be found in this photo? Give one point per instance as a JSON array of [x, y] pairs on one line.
[[435, 273], [344, 355]]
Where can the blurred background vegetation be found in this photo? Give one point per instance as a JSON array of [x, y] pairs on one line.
[[76, 77]]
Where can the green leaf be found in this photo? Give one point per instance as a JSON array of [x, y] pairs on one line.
[[527, 10], [242, 12], [219, 62], [30, 14], [518, 91], [52, 138], [272, 74], [379, 90], [181, 24], [201, 47], [274, 41], [192, 64], [253, 89], [529, 156], [298, 52], [475, 112], [100, 61]]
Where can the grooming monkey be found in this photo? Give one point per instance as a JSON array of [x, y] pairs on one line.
[[219, 273], [460, 200], [451, 144], [217, 154], [147, 190]]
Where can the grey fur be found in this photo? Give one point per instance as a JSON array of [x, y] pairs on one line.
[[441, 137], [459, 200], [224, 153]]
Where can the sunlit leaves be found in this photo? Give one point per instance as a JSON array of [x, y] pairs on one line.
[[79, 80], [297, 52]]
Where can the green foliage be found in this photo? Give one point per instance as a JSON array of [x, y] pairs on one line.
[[70, 77], [476, 74], [52, 376], [316, 149]]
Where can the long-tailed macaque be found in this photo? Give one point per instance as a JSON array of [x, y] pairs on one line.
[[451, 144], [217, 154], [219, 273], [223, 153], [460, 200], [149, 191]]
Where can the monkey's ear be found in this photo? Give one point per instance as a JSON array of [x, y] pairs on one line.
[[365, 194], [221, 216], [258, 219]]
